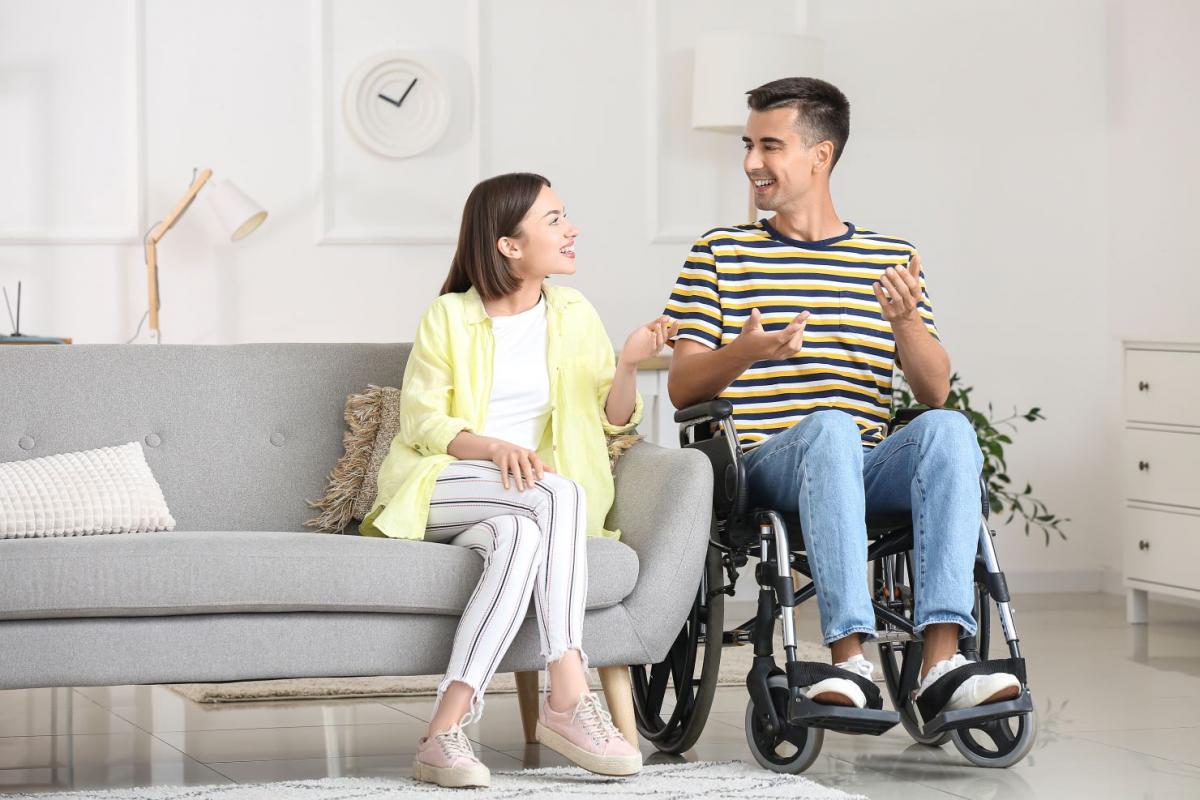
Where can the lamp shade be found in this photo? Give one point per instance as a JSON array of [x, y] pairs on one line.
[[238, 213], [730, 63]]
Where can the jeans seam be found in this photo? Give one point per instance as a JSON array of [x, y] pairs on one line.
[[919, 591], [876, 464], [870, 632], [784, 449]]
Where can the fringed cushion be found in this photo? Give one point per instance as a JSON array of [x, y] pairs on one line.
[[364, 417]]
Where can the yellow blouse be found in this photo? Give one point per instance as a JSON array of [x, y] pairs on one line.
[[447, 387]]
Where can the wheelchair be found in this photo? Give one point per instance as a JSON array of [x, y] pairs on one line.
[[784, 728]]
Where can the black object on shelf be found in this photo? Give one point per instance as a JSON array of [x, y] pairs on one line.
[[23, 338]]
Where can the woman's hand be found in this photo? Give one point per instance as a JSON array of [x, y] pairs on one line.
[[646, 340], [524, 465]]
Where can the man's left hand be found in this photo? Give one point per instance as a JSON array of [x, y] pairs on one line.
[[899, 290]]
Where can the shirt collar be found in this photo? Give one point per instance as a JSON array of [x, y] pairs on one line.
[[477, 313]]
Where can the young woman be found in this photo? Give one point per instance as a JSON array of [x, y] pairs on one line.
[[508, 393]]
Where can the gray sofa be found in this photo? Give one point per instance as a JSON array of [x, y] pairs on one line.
[[239, 436]]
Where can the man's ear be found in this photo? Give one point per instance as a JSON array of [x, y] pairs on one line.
[[508, 248], [823, 156]]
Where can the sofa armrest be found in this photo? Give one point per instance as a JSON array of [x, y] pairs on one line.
[[663, 507]]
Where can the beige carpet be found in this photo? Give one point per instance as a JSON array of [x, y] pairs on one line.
[[735, 664], [675, 781]]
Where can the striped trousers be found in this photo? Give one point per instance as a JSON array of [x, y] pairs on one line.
[[532, 542]]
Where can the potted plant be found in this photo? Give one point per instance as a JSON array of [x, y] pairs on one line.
[[1002, 495]]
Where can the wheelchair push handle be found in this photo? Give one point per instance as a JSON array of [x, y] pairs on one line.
[[717, 409]]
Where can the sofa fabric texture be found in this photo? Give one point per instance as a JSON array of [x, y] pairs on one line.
[[239, 437]]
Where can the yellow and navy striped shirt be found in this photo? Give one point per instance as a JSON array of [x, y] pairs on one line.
[[849, 353]]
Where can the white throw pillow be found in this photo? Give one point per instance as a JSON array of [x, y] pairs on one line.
[[109, 490]]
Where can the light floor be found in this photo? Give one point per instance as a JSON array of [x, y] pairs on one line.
[[1119, 711]]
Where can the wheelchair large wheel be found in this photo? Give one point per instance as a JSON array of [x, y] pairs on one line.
[[893, 656], [692, 693], [790, 750]]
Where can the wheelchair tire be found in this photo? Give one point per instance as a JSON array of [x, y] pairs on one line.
[[693, 695], [766, 747], [1007, 746], [892, 664], [893, 656]]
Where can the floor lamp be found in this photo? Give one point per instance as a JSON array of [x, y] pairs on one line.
[[238, 214], [730, 63]]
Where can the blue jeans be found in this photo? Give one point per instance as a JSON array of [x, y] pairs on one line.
[[820, 469]]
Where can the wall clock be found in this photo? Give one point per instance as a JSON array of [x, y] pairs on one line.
[[396, 104]]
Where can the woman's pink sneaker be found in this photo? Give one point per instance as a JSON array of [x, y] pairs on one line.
[[448, 759], [587, 736]]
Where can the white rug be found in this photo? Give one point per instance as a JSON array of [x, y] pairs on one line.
[[659, 782], [735, 664]]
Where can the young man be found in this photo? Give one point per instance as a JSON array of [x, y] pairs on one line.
[[799, 321]]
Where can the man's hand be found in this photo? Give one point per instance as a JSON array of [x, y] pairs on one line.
[[899, 290], [755, 344]]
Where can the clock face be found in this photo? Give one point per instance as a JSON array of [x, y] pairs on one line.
[[396, 105]]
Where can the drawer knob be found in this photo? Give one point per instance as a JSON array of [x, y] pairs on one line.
[[1143, 466], [1143, 386], [1143, 545]]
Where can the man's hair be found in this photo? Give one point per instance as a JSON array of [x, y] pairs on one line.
[[823, 111]]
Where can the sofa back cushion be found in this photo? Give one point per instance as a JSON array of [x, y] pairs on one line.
[[238, 436]]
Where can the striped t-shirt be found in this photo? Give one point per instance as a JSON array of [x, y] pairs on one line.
[[849, 352]]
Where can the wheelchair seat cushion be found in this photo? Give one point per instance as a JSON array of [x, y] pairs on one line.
[[935, 698]]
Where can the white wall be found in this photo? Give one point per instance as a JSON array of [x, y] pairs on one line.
[[1035, 151]]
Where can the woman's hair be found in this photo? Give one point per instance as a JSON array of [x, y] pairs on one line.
[[493, 211]]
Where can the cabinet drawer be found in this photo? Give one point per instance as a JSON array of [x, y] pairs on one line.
[[1161, 386], [1162, 467], [1162, 547]]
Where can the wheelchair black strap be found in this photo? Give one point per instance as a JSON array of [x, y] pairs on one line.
[[806, 673], [934, 699]]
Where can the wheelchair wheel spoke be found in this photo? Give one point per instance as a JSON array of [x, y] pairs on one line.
[[797, 736], [659, 673], [1000, 733]]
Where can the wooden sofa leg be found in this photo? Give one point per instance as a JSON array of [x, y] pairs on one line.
[[618, 692], [527, 699]]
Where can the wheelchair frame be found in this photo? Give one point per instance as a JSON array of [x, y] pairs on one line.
[[778, 713]]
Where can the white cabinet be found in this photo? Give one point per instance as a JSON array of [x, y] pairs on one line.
[[658, 415], [1161, 472]]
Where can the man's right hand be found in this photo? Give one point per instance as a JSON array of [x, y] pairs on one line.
[[755, 344]]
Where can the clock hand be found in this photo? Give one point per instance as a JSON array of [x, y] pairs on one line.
[[390, 100], [406, 91]]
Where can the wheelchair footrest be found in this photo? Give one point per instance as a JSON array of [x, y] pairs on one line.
[[971, 717], [803, 712]]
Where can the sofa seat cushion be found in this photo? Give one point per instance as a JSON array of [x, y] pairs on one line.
[[227, 572]]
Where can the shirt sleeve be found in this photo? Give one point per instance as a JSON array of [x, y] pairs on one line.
[[605, 367], [695, 303], [426, 424], [925, 307]]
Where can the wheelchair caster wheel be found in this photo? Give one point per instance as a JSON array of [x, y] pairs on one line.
[[999, 743], [790, 750]]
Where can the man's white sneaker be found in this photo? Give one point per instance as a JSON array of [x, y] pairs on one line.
[[842, 691], [976, 690]]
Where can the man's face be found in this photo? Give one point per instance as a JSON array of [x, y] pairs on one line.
[[781, 168]]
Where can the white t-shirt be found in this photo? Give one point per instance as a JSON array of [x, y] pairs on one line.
[[520, 404]]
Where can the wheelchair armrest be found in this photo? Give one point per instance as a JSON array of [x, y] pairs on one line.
[[709, 410]]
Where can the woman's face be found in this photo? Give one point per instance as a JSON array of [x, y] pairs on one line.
[[546, 244]]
